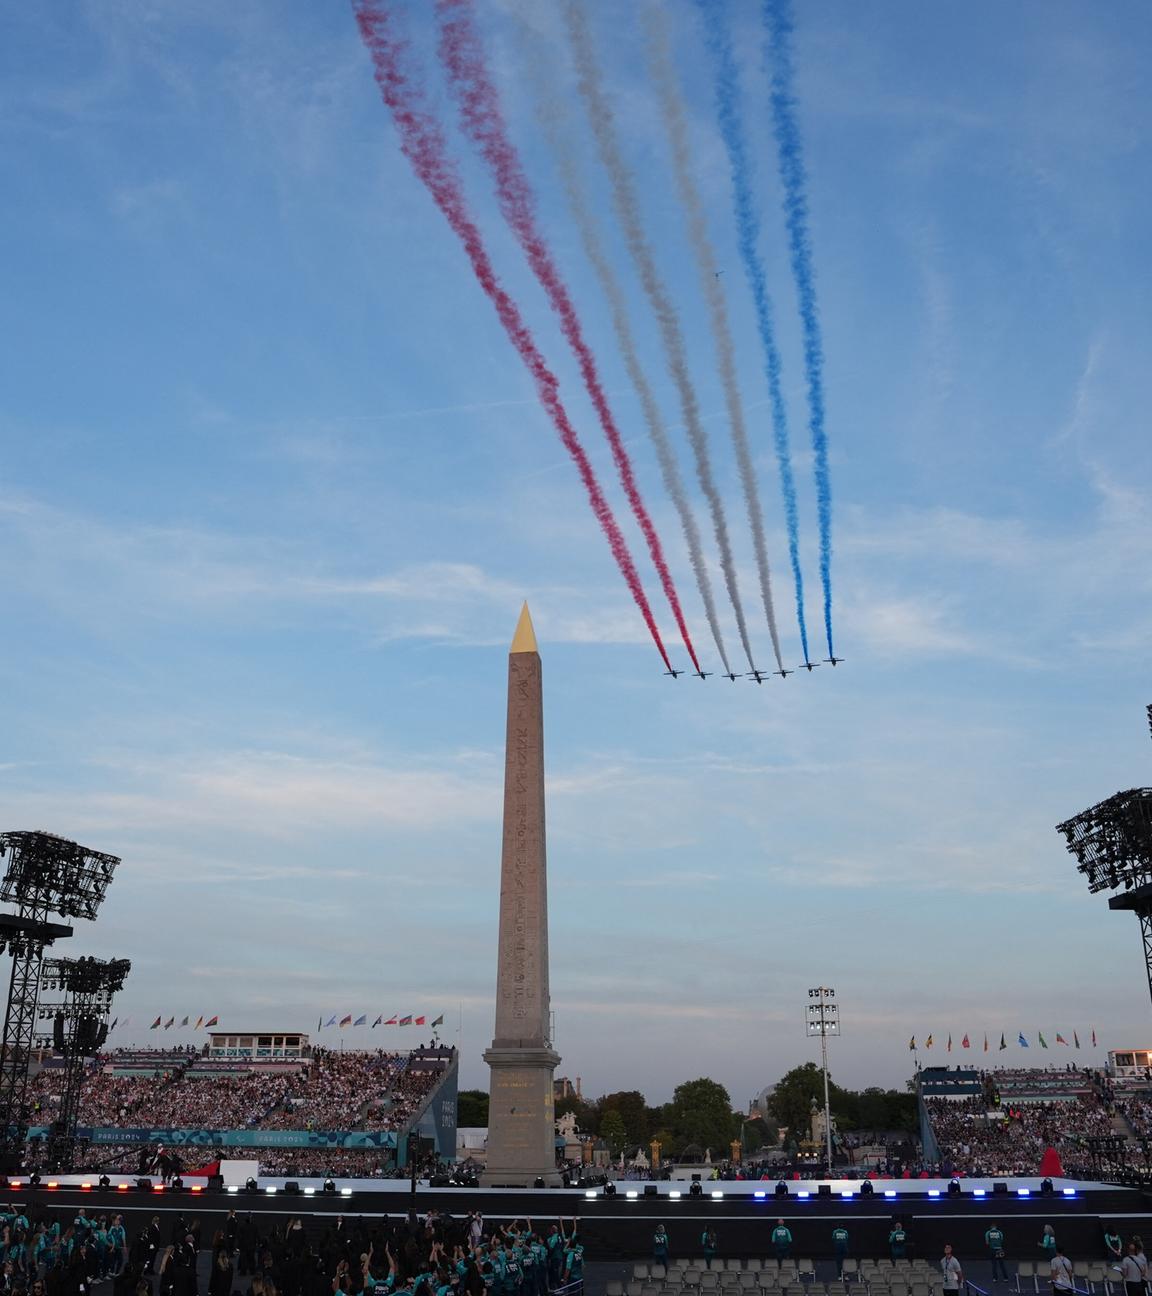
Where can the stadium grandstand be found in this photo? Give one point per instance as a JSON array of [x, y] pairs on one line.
[[1004, 1122], [318, 1111]]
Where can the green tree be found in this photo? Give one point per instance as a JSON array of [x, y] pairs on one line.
[[472, 1108], [633, 1112], [792, 1100], [612, 1131], [701, 1113]]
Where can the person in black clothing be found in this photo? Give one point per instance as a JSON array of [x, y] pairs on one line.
[[232, 1232], [151, 1244], [248, 1241]]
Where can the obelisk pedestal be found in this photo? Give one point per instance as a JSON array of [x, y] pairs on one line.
[[521, 1116]]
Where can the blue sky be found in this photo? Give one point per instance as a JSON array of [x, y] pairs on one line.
[[273, 484]]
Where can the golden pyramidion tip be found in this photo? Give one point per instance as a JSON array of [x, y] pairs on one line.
[[524, 640]]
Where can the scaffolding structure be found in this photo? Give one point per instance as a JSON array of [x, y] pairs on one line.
[[78, 1031], [1112, 844], [45, 875]]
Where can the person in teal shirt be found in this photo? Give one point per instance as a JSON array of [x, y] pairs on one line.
[[898, 1241], [782, 1240], [574, 1261], [117, 1241], [840, 1248], [994, 1241], [1048, 1242], [708, 1243], [1113, 1245], [660, 1246]]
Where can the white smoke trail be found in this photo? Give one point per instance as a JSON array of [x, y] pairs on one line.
[[672, 108], [602, 119], [551, 114]]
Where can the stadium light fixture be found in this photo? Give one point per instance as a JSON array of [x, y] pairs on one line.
[[631, 1194], [759, 1195], [979, 1192], [1023, 1192], [310, 1191], [271, 1190], [847, 1195], [676, 1195], [824, 1020], [717, 1195], [889, 1192], [933, 1192], [1068, 1192], [233, 1188], [590, 1194], [345, 1192], [804, 1194]]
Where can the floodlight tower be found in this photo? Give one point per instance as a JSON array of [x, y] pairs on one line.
[[79, 1030], [1112, 843], [46, 875], [824, 1020]]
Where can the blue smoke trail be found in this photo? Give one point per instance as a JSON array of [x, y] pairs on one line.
[[790, 161], [748, 233]]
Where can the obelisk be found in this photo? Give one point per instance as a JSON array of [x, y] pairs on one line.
[[521, 1121]]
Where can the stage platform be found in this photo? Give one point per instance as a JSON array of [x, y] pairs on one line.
[[620, 1225]]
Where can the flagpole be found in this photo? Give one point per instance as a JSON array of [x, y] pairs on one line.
[[460, 1032]]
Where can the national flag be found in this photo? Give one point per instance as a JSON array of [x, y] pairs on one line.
[[199, 1022], [985, 1041], [320, 1023], [419, 1021], [113, 1026], [405, 1021], [1076, 1038], [1043, 1041], [1023, 1042], [212, 1021], [392, 1021], [184, 1023], [155, 1024], [1093, 1036], [170, 1022], [331, 1020], [439, 1020], [912, 1044], [964, 1042], [949, 1041], [1061, 1040], [928, 1042], [1002, 1044], [377, 1021], [360, 1020], [346, 1020]]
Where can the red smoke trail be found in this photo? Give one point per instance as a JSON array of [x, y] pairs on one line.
[[462, 54], [423, 145]]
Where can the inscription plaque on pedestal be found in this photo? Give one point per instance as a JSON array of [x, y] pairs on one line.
[[521, 1129]]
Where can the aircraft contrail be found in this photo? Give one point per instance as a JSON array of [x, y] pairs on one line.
[[590, 85], [790, 159], [422, 143], [734, 135], [462, 55], [672, 108], [551, 115]]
